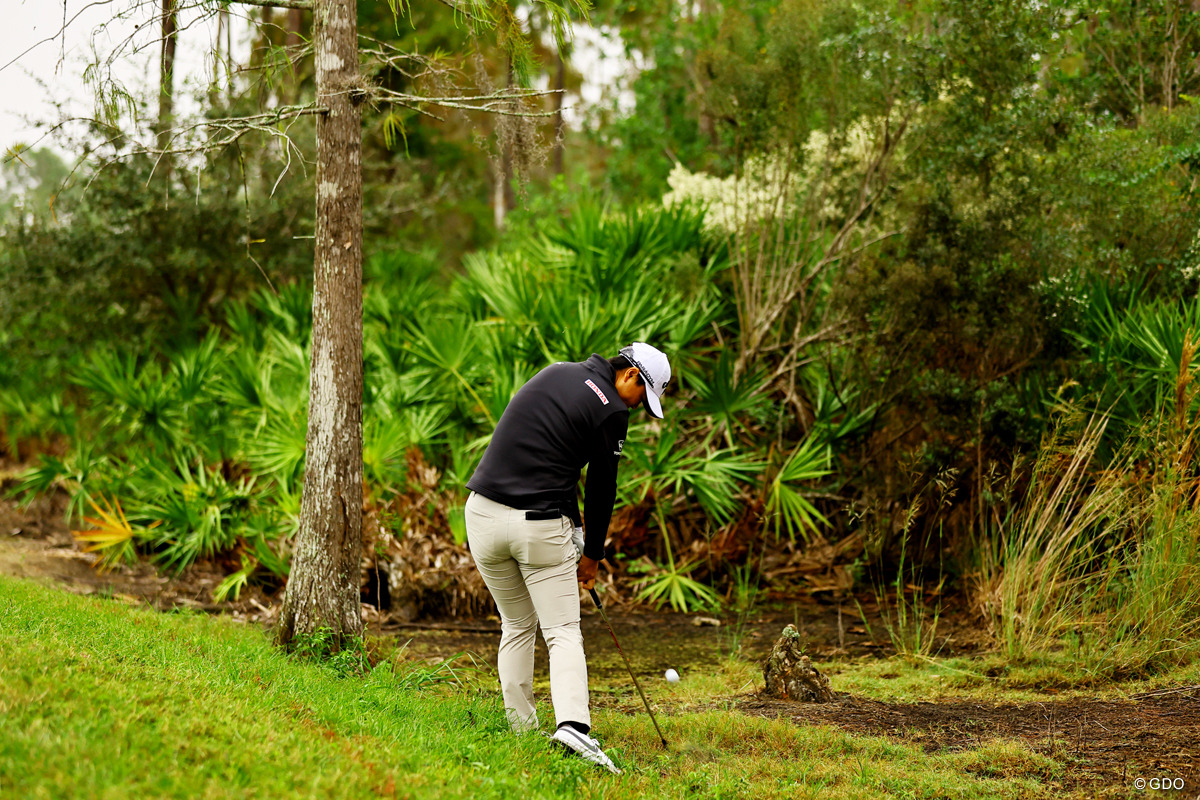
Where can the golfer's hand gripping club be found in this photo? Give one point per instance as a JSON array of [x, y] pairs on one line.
[[585, 573], [638, 686]]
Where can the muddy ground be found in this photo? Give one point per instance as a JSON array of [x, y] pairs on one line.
[[1107, 745]]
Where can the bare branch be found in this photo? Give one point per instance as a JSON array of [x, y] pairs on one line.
[[133, 43], [498, 103], [303, 5], [399, 61], [231, 129], [62, 28]]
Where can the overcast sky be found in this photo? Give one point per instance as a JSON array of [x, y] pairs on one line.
[[35, 73]]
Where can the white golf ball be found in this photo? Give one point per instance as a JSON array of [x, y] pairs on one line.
[[672, 676]]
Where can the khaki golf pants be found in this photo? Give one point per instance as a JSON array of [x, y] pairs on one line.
[[529, 567]]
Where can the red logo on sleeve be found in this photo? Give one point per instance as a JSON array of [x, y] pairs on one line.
[[596, 389]]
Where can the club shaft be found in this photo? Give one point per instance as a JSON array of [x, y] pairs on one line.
[[628, 666]]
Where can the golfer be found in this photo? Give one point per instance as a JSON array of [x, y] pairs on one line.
[[524, 526]]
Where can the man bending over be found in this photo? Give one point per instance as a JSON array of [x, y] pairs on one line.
[[525, 531]]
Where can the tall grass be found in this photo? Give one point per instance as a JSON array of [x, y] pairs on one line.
[[1035, 573], [912, 621], [1153, 605], [1103, 561]]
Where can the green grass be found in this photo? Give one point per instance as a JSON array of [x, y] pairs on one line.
[[101, 699], [1048, 676]]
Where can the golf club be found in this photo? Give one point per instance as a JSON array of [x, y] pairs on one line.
[[638, 686]]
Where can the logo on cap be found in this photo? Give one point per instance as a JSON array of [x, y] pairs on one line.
[[646, 376]]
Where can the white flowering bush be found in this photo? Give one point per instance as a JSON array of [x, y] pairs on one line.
[[774, 184], [766, 188], [1191, 267]]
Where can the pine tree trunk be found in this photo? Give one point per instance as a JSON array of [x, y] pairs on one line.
[[323, 588], [560, 83], [294, 20], [505, 193], [293, 43], [228, 56], [166, 87]]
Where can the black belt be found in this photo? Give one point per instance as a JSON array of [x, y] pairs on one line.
[[536, 515]]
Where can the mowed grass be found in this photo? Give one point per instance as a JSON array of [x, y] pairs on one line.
[[99, 699]]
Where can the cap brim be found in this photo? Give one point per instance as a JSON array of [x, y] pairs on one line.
[[653, 404]]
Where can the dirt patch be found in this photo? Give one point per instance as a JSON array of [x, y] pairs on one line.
[[1108, 745], [36, 543]]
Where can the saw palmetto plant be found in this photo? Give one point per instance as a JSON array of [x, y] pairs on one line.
[[1135, 351], [207, 443], [197, 510], [111, 536]]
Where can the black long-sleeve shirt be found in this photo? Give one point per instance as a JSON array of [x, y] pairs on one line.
[[566, 416]]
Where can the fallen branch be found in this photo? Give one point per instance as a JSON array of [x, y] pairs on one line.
[[303, 5]]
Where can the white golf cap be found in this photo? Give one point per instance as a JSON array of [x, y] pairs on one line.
[[655, 371]]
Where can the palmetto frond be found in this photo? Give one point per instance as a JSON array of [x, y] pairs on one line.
[[1138, 350], [575, 327], [835, 414], [242, 320], [714, 478], [288, 311], [690, 321], [717, 481], [788, 511], [410, 280], [728, 398], [446, 347], [674, 585], [505, 383], [386, 439], [194, 369], [197, 508], [614, 251], [111, 535], [278, 450], [139, 398], [289, 355], [112, 375], [512, 288], [233, 583], [246, 383]]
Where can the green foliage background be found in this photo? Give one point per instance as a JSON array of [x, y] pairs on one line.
[[1029, 241]]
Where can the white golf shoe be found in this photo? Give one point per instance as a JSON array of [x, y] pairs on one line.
[[583, 746]]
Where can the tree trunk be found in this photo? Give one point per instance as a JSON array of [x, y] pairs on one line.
[[505, 196], [166, 88], [789, 675], [323, 589], [560, 82], [214, 87], [228, 55], [294, 19], [293, 43]]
